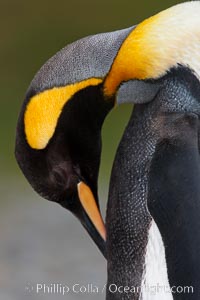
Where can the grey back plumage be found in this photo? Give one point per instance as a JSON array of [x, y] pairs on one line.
[[88, 57]]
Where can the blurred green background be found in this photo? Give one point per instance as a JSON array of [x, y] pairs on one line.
[[39, 241]]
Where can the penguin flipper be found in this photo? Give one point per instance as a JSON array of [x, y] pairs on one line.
[[174, 200]]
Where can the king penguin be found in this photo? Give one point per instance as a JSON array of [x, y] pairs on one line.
[[151, 239]]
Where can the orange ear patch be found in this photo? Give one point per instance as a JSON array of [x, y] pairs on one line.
[[43, 111]]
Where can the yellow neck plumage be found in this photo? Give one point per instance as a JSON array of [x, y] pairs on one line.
[[159, 43]]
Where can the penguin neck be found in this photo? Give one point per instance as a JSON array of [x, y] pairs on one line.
[[128, 220]]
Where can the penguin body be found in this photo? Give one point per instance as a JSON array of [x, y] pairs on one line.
[[132, 224]]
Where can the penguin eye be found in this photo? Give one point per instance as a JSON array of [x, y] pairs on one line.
[[63, 176]]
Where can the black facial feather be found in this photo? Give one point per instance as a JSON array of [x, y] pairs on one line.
[[73, 153]]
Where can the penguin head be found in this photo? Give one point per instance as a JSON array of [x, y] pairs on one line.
[[58, 142]]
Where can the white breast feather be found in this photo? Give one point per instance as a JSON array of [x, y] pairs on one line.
[[155, 284]]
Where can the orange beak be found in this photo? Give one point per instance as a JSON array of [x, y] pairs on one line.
[[89, 204]]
